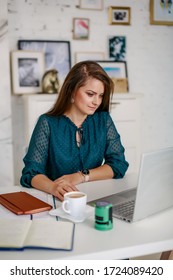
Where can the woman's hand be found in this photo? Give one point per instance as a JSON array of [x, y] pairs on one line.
[[66, 183], [60, 186], [59, 191]]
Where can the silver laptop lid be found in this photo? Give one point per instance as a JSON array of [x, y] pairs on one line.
[[155, 184]]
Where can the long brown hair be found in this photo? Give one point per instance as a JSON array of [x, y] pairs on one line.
[[76, 78]]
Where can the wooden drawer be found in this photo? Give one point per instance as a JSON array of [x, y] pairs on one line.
[[128, 132], [132, 159], [34, 107], [124, 109]]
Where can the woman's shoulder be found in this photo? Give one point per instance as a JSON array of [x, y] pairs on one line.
[[51, 121], [43, 119], [101, 115], [48, 118], [103, 118]]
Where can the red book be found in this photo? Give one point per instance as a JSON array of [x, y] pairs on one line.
[[22, 203]]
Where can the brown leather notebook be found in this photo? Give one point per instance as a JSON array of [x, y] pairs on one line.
[[22, 203]]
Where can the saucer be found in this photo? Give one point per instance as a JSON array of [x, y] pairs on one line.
[[60, 213]]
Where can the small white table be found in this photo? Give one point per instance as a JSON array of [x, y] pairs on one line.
[[151, 235]]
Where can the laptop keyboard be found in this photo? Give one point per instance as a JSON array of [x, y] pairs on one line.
[[124, 209]]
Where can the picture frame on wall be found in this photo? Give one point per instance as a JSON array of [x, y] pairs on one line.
[[119, 15], [91, 4], [161, 12], [81, 56], [117, 71], [81, 28], [27, 70], [57, 54], [117, 47]]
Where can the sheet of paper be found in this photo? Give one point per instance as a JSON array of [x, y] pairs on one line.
[[13, 232], [50, 233]]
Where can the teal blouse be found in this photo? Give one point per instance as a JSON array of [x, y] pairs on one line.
[[53, 150]]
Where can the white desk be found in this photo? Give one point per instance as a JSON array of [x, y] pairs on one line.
[[151, 235]]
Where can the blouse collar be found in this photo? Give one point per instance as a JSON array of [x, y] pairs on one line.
[[73, 124]]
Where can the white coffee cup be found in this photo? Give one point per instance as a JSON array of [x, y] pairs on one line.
[[74, 204]]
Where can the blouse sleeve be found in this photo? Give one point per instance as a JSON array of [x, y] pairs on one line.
[[114, 155], [36, 158]]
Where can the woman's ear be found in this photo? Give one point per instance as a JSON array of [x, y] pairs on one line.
[[72, 97]]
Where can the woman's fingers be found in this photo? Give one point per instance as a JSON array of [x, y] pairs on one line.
[[60, 191]]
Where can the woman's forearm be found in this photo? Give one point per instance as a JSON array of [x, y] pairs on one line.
[[42, 183], [102, 172], [57, 188]]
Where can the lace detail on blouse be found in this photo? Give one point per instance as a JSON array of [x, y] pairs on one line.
[[40, 141], [112, 137]]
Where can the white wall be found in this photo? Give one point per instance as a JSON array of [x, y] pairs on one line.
[[6, 155], [149, 52]]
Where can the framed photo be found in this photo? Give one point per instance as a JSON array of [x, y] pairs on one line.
[[27, 71], [91, 4], [117, 47], [119, 15], [161, 12], [81, 28], [117, 71], [57, 54], [81, 56]]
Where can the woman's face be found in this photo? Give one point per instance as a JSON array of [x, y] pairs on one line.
[[89, 97]]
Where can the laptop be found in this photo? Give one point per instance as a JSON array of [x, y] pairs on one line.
[[154, 190]]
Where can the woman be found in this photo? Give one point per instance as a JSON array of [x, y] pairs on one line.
[[76, 141]]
